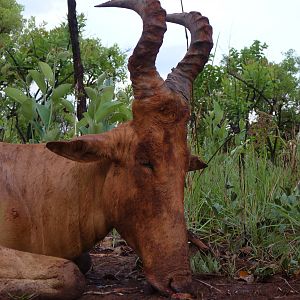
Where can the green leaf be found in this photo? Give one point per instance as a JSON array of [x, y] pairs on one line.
[[126, 111], [16, 94], [28, 79], [68, 105], [44, 114], [83, 122], [218, 113], [91, 93], [107, 93], [61, 91], [28, 109], [118, 117], [51, 135], [89, 119], [95, 101], [98, 128], [46, 70], [39, 79], [38, 128], [63, 55], [104, 110], [83, 130], [101, 79]]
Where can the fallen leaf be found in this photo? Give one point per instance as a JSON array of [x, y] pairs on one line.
[[246, 276]]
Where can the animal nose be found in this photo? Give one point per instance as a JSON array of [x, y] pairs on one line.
[[180, 283]]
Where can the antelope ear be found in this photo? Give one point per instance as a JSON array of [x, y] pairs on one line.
[[87, 148], [196, 163]]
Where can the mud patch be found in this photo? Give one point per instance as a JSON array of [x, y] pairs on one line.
[[117, 274]]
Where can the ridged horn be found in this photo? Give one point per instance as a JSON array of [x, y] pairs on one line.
[[181, 78], [145, 79]]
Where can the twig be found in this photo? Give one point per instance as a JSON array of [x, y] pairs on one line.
[[186, 34], [224, 143], [117, 291], [209, 285], [102, 293], [197, 241], [287, 283], [261, 94]]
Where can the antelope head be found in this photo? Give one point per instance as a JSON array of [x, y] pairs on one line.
[[148, 157]]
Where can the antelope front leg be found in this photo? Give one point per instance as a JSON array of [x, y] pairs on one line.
[[46, 277]]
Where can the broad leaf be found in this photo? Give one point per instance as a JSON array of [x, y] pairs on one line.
[[61, 91], [83, 130], [118, 117], [126, 111], [63, 55], [218, 113], [39, 79], [16, 94], [91, 93], [44, 114], [104, 110], [38, 128], [68, 105], [83, 122], [28, 79], [89, 119], [107, 94], [28, 109], [46, 70], [101, 79], [97, 128]]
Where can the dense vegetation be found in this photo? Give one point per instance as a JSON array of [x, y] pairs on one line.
[[37, 84], [245, 123]]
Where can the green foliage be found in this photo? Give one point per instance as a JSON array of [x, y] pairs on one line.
[[244, 200], [104, 112], [39, 113], [10, 17], [247, 86], [38, 63], [204, 264], [33, 44], [256, 213]]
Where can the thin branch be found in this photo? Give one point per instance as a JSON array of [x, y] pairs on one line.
[[18, 67], [224, 143], [208, 285], [185, 29], [250, 86]]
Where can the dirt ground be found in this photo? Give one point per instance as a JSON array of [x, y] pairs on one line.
[[117, 274]]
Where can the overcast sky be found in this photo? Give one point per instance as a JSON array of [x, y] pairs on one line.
[[237, 23]]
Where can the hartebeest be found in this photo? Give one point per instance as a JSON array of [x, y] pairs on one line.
[[55, 205]]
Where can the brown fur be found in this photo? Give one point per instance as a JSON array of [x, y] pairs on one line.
[[132, 179]]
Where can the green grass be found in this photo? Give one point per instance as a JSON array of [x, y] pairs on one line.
[[256, 207]]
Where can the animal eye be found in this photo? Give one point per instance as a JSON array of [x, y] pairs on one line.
[[147, 165]]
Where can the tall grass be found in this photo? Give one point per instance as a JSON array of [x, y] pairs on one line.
[[255, 206]]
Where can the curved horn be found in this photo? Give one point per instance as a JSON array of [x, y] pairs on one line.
[[145, 79], [182, 77]]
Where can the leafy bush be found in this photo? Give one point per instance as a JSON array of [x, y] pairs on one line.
[[104, 112], [40, 112]]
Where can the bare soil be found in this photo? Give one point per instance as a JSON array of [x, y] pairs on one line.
[[117, 274]]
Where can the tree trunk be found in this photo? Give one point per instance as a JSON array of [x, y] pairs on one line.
[[78, 67]]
